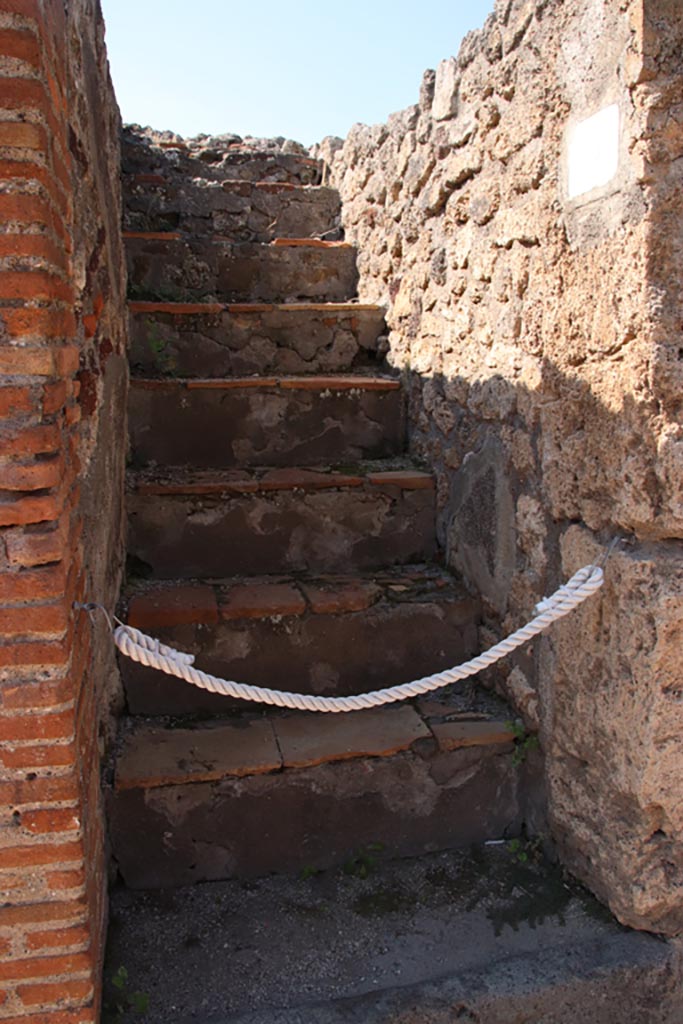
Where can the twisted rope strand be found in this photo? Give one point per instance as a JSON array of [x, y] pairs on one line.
[[152, 653]]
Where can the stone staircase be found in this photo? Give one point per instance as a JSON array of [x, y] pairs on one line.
[[288, 868], [279, 531]]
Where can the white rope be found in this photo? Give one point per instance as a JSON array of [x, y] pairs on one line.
[[153, 654]]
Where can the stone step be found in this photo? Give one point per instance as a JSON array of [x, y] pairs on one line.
[[214, 340], [189, 523], [447, 938], [168, 267], [240, 211], [250, 421], [258, 794], [218, 161], [332, 636]]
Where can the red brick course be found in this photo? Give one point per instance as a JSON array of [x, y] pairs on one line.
[[33, 584], [32, 476], [34, 284], [20, 135], [28, 361], [84, 1015], [15, 400], [20, 45], [49, 820], [30, 549], [59, 993], [55, 938], [37, 913], [39, 246], [46, 619], [46, 966], [37, 756], [36, 855], [31, 510]]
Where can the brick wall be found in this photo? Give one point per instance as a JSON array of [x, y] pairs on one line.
[[62, 390]]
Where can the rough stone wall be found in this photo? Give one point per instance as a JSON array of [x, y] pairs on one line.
[[540, 338], [62, 396]]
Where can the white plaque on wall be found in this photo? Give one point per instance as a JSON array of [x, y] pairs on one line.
[[593, 151]]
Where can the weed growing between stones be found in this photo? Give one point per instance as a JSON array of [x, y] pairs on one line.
[[364, 861], [120, 1002], [525, 850], [163, 359], [525, 741]]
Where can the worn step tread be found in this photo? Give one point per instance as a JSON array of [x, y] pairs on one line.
[[280, 243], [309, 790], [227, 184], [158, 755], [219, 522], [235, 149], [311, 630], [187, 480], [314, 243], [189, 266], [228, 422], [241, 186], [461, 936], [240, 209], [154, 604], [310, 382], [226, 242], [215, 340], [138, 307]]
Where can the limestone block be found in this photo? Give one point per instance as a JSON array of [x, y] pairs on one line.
[[461, 129], [427, 90], [445, 102], [524, 697], [518, 20], [670, 469], [403, 302], [517, 224], [532, 531], [481, 534], [612, 712]]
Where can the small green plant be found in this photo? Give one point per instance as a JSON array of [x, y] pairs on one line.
[[525, 741], [123, 1000], [525, 850], [516, 848], [163, 358], [309, 872], [364, 861]]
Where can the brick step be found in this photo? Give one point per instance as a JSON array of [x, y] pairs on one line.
[[166, 266], [250, 421], [216, 162], [189, 523], [215, 340], [241, 211], [260, 794], [454, 937], [333, 636]]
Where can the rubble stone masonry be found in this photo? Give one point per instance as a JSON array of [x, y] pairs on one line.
[[538, 324], [62, 388]]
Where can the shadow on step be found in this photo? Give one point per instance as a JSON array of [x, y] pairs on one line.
[[494, 935]]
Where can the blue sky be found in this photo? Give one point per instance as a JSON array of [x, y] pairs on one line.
[[302, 70]]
